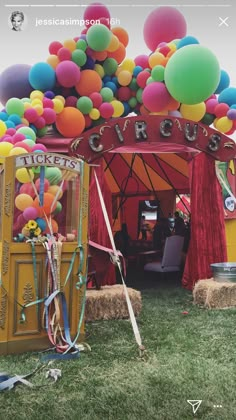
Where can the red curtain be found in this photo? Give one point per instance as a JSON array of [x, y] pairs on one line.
[[208, 240], [105, 271]]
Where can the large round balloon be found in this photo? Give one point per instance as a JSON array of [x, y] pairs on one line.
[[68, 73], [89, 82], [155, 97], [163, 25], [70, 122], [94, 12], [14, 82], [42, 76], [192, 74], [98, 37]]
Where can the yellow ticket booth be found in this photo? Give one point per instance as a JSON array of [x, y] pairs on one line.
[[30, 274]]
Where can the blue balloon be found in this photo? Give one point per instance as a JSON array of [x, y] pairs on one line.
[[112, 86], [224, 82], [42, 76], [15, 119], [41, 223], [228, 96], [137, 70], [49, 94], [187, 40], [3, 116], [10, 124]]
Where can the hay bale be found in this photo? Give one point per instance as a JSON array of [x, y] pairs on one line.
[[213, 294], [110, 303]]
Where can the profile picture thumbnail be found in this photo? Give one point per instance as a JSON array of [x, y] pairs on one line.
[[17, 21]]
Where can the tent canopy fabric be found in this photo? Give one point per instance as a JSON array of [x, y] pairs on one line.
[[139, 173]]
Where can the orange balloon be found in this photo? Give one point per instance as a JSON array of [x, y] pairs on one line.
[[89, 82], [114, 44], [54, 226], [99, 55], [119, 54], [121, 34], [47, 204], [70, 122]]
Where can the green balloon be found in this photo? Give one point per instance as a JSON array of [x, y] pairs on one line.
[[208, 119], [81, 44], [132, 102], [15, 106], [158, 73], [110, 66], [107, 94], [79, 57], [192, 74], [98, 37], [53, 175], [28, 132], [139, 94], [133, 84], [84, 104]]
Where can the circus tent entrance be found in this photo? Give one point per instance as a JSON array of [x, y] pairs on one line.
[[157, 156]]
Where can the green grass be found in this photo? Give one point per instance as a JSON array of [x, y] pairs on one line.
[[189, 356]]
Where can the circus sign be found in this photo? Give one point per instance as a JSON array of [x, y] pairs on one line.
[[152, 133]]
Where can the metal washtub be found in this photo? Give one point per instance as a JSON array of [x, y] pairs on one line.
[[224, 272]]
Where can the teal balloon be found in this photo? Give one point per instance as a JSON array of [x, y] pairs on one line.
[[192, 74], [98, 37], [42, 76], [84, 104], [223, 83]]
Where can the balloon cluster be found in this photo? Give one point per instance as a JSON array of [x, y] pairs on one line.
[[88, 79], [38, 207]]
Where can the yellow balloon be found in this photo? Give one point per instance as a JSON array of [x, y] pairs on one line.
[[25, 121], [155, 59], [70, 44], [53, 189], [61, 98], [114, 44], [3, 128], [23, 176], [94, 114], [17, 151], [36, 94], [100, 70], [118, 108], [128, 64], [124, 77], [36, 101], [53, 60], [58, 105], [193, 112], [27, 105], [5, 149], [22, 201], [224, 124], [39, 109]]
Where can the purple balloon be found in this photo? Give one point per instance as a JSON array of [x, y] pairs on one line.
[[14, 82], [231, 114]]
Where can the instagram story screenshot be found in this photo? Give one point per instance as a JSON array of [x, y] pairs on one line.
[[118, 210]]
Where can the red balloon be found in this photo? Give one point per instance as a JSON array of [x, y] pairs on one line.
[[94, 12]]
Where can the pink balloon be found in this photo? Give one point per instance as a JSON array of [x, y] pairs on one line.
[[106, 110], [46, 184], [142, 61], [142, 77], [68, 73], [18, 137], [155, 97], [71, 101], [39, 146], [23, 145], [40, 123], [11, 131], [64, 54], [54, 47], [30, 213], [96, 98], [95, 11], [47, 103], [163, 24], [27, 189], [31, 115], [49, 115], [124, 93], [210, 105]]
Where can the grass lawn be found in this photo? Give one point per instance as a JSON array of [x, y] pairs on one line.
[[189, 357]]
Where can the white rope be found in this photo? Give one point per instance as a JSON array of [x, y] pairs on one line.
[[130, 308]]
